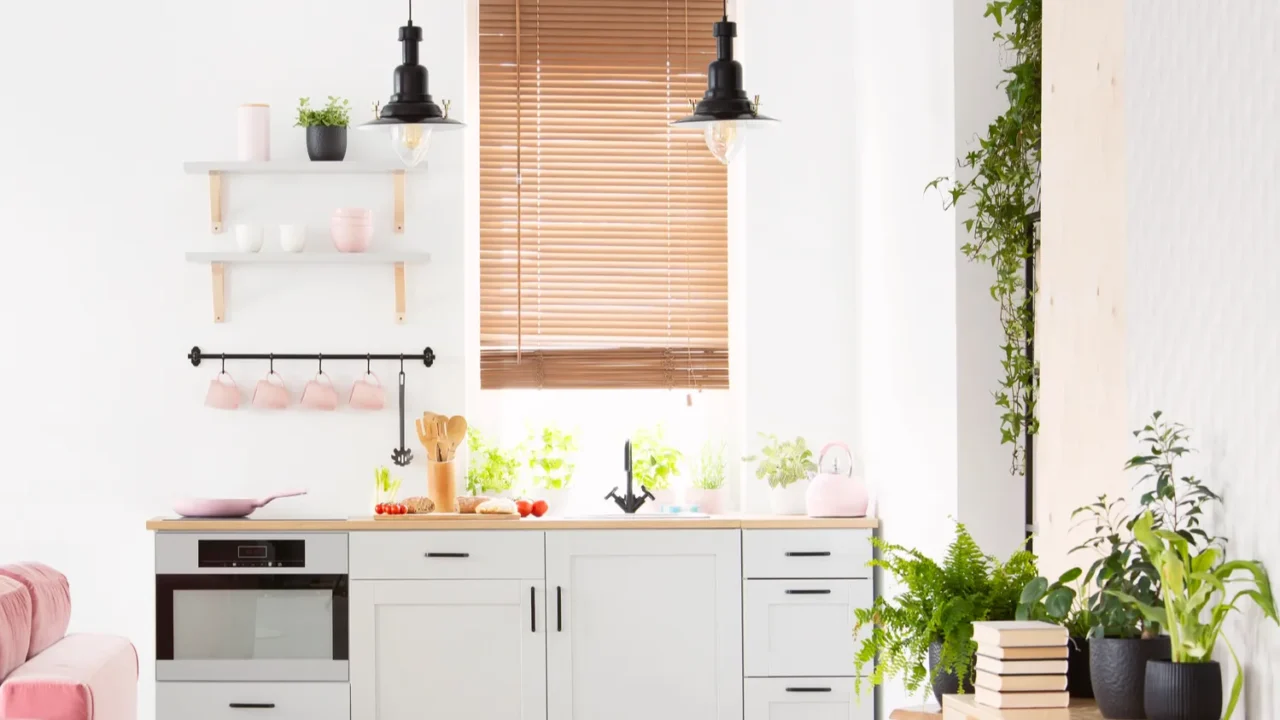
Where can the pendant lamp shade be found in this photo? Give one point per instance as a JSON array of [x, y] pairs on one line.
[[725, 113], [411, 115]]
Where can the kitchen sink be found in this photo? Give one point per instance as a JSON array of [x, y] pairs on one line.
[[638, 516]]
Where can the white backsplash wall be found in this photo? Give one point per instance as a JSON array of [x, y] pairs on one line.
[[102, 419]]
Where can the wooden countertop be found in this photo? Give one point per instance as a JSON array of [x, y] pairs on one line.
[[649, 522], [962, 707]]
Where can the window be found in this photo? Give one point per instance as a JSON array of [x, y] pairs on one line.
[[603, 232]]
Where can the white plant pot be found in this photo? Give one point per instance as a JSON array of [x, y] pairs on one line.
[[789, 500], [558, 501], [708, 501]]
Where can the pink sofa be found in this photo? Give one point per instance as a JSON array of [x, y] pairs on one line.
[[46, 674]]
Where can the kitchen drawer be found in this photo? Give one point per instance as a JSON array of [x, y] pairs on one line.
[[806, 699], [806, 553], [447, 555], [797, 628], [264, 701]]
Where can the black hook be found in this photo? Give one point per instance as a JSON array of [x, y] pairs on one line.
[[368, 364], [401, 363], [224, 364], [271, 358], [320, 360]]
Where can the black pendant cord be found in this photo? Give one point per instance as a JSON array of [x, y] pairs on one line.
[[411, 11], [427, 357], [725, 14]]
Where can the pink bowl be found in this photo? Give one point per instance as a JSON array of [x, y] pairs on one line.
[[351, 239], [361, 214]]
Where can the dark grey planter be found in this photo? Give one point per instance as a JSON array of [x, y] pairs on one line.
[[1118, 670], [946, 683], [1183, 691], [328, 144], [1079, 684]]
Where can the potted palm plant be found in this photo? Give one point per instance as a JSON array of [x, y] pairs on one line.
[[924, 635], [655, 465], [1199, 590], [787, 466], [708, 475]]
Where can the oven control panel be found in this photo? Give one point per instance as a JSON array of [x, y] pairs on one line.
[[242, 553]]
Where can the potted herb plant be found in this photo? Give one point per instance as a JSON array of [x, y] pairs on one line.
[[655, 465], [708, 480], [551, 453], [326, 128], [1061, 604], [787, 465], [490, 469], [1194, 588], [925, 634]]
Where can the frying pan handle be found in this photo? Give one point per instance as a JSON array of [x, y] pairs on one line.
[[277, 496]]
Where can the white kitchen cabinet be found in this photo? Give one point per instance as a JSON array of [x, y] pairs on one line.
[[806, 699], [456, 649], [801, 627], [257, 700], [644, 625]]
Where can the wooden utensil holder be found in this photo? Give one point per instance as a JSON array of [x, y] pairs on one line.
[[442, 485]]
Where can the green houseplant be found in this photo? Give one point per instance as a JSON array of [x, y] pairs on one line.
[[490, 469], [787, 466], [1064, 602], [931, 621], [550, 457], [326, 128], [707, 491], [654, 463], [1199, 590]]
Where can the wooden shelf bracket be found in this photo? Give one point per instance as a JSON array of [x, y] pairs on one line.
[[215, 201], [400, 305], [219, 292], [399, 192]]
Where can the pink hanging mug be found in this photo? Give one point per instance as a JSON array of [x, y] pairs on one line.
[[320, 394], [367, 393], [270, 393], [223, 393]]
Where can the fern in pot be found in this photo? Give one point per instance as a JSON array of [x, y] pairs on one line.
[[787, 466], [707, 491]]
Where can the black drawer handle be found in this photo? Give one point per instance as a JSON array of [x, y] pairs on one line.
[[808, 689], [253, 706], [533, 609], [815, 553], [559, 604], [448, 555], [808, 592]]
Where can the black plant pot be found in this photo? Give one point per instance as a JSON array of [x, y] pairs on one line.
[[946, 683], [1183, 691], [326, 143], [1079, 684], [1118, 670]]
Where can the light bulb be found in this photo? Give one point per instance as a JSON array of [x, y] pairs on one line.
[[411, 142], [724, 139]]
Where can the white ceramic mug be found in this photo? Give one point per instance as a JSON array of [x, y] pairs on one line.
[[293, 238], [249, 238]]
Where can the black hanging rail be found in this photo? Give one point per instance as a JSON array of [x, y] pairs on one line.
[[427, 356]]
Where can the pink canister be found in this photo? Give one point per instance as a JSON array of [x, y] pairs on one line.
[[836, 494], [254, 140]]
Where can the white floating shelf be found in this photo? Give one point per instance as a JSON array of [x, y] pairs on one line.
[[219, 260], [297, 167]]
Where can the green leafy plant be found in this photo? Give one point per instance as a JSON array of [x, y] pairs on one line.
[[653, 462], [1004, 190], [782, 462], [1058, 602], [337, 113], [939, 602], [1195, 587], [551, 453], [490, 469], [709, 470], [385, 487]]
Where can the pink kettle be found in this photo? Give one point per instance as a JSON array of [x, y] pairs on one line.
[[836, 494]]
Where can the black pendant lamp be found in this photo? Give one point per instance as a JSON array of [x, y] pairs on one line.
[[411, 115], [724, 113]]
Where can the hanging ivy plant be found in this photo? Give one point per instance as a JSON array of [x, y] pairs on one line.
[[1005, 191]]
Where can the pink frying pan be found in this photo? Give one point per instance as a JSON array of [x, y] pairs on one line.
[[225, 507]]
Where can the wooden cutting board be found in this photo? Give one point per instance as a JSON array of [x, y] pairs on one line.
[[446, 517]]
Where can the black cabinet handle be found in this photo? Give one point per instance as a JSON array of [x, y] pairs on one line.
[[808, 592], [559, 604], [253, 706], [822, 553], [808, 689], [533, 609], [448, 555]]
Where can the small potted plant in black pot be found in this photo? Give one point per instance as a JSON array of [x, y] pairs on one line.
[[326, 128], [1061, 604], [1195, 587]]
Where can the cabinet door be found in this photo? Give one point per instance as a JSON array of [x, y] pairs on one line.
[[795, 628], [457, 649], [807, 699], [644, 625]]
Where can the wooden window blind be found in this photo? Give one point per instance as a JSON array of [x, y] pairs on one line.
[[603, 232]]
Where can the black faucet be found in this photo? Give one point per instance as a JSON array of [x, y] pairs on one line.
[[631, 502]]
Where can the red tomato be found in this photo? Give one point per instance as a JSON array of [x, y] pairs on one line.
[[525, 507], [540, 508], [401, 509], [380, 508]]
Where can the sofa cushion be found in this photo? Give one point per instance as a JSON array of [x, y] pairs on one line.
[[15, 625], [82, 677], [50, 602]]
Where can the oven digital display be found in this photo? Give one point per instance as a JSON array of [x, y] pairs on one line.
[[252, 552]]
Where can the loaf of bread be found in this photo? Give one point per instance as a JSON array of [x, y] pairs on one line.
[[419, 505], [497, 506], [468, 503]]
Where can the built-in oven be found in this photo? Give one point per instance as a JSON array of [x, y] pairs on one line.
[[262, 607]]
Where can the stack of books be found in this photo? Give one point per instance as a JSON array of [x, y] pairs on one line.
[[1022, 669]]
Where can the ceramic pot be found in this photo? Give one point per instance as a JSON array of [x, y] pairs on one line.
[[327, 144], [1118, 670], [710, 502], [1183, 691], [945, 683], [1079, 684], [789, 500]]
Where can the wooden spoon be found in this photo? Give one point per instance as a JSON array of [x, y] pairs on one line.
[[457, 430]]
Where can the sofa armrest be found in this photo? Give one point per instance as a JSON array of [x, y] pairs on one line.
[[81, 677]]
